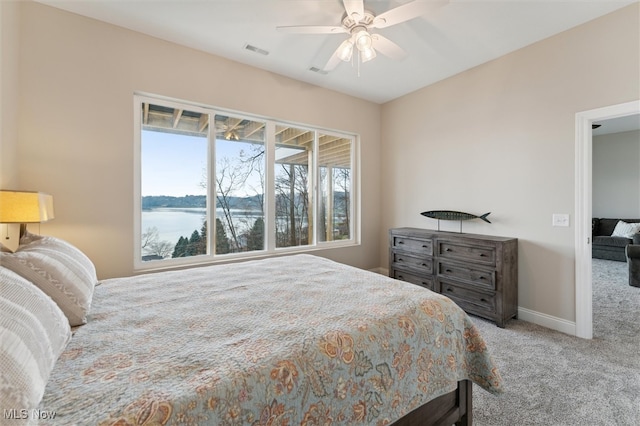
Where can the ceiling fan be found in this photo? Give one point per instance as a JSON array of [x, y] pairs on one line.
[[358, 23]]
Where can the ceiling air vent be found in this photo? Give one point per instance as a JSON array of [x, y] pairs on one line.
[[256, 49], [318, 70]]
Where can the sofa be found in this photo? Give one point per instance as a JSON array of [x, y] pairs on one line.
[[606, 246]]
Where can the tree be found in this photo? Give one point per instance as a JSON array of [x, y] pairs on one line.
[[292, 205], [236, 180], [194, 244], [152, 245], [229, 179], [222, 241], [180, 248], [200, 245], [148, 237], [342, 178], [255, 239]]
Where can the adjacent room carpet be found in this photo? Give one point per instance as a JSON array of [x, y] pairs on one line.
[[555, 379]]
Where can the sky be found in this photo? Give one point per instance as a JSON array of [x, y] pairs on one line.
[[176, 165], [173, 164]]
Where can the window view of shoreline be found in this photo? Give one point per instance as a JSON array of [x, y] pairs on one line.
[[176, 172]]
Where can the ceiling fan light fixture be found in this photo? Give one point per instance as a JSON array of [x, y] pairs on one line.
[[345, 50], [367, 54], [230, 135], [362, 38]]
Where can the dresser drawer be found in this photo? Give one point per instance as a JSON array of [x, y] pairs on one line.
[[469, 299], [478, 277], [426, 282], [422, 264], [413, 245], [475, 253]]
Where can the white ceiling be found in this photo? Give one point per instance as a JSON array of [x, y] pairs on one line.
[[457, 36], [617, 125]]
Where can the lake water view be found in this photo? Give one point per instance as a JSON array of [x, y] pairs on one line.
[[173, 223]]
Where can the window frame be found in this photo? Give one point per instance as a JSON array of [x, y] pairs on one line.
[[270, 248]]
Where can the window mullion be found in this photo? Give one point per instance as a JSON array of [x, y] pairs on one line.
[[211, 188], [354, 231], [315, 189], [270, 190]]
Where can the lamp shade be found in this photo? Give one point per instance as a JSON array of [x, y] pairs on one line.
[[367, 54], [345, 50], [25, 207]]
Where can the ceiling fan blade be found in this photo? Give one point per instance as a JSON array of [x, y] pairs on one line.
[[354, 8], [312, 29], [388, 48], [406, 12], [333, 61]]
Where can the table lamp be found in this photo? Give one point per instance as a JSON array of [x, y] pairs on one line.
[[25, 207]]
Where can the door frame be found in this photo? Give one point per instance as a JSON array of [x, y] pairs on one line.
[[583, 208]]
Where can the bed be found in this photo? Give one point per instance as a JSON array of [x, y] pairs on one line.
[[282, 341]]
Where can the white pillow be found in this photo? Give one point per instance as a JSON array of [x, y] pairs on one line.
[[59, 269], [626, 230], [33, 334]]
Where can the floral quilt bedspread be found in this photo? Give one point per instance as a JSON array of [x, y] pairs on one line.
[[284, 341]]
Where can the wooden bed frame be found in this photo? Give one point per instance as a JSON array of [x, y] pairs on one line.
[[451, 408]]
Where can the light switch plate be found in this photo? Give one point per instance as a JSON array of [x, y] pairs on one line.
[[560, 219]]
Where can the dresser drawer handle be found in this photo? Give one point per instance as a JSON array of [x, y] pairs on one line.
[[447, 270], [400, 242], [425, 246], [483, 300], [448, 249], [423, 283], [424, 264], [450, 290], [400, 259], [400, 277], [483, 255]]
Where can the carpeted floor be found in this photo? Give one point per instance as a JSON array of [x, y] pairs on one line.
[[555, 379]]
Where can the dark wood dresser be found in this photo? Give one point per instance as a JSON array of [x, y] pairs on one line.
[[478, 272]]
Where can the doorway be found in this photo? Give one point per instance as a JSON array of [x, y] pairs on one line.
[[583, 208]]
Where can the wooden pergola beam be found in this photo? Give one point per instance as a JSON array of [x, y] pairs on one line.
[[177, 114], [203, 122]]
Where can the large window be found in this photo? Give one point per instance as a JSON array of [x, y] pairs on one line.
[[212, 184]]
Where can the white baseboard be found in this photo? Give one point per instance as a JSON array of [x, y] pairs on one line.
[[548, 321]]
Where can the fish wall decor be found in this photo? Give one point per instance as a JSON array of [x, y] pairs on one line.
[[453, 215]]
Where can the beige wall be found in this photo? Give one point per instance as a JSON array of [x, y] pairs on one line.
[[9, 35], [9, 56], [77, 80], [500, 138], [616, 175]]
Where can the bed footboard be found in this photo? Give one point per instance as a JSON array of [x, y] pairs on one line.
[[452, 408]]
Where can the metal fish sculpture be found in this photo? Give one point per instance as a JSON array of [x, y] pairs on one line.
[[453, 215]]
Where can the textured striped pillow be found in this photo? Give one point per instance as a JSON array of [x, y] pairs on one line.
[[626, 230], [59, 269], [33, 334]]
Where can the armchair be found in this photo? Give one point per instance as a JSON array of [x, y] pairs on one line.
[[633, 259]]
